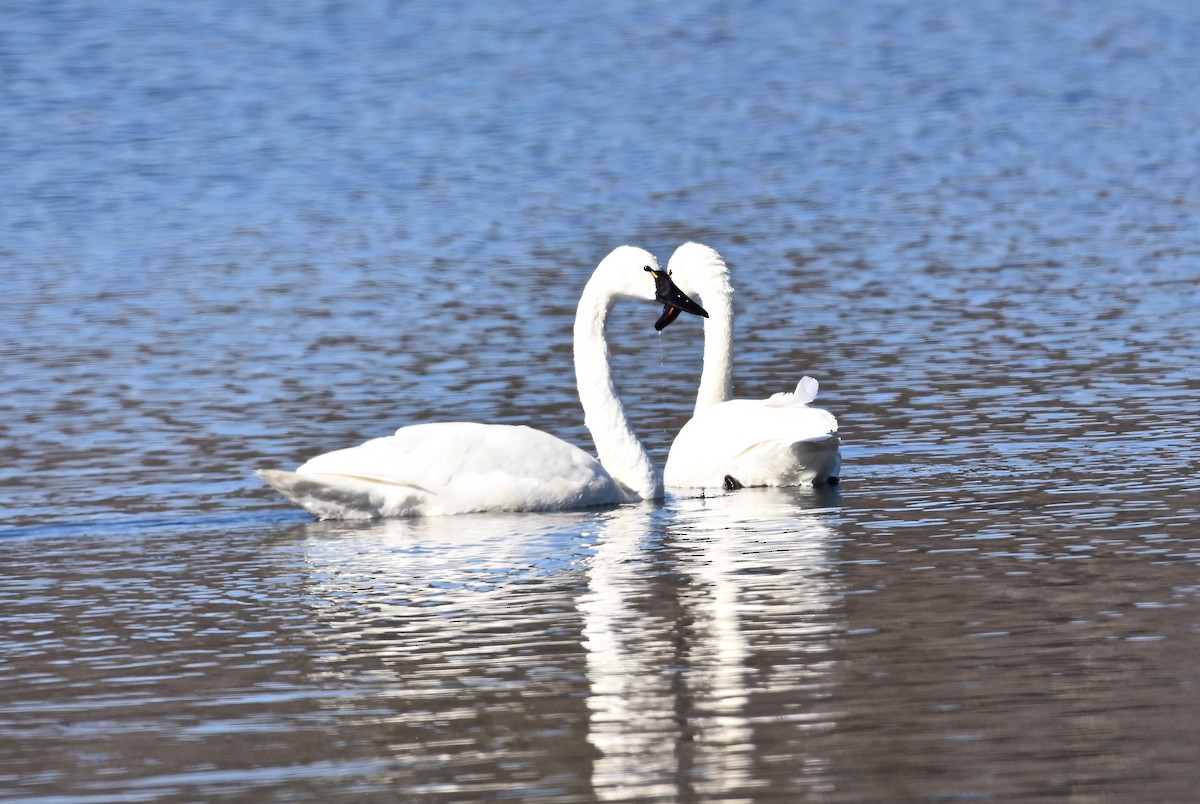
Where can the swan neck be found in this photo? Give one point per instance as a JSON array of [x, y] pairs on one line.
[[617, 446], [716, 379]]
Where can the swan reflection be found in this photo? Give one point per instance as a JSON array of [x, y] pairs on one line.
[[630, 662], [467, 561], [646, 652], [675, 658]]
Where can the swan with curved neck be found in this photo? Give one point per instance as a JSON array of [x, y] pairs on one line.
[[731, 443], [462, 467]]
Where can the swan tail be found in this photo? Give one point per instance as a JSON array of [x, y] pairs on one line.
[[346, 497], [807, 462], [819, 459]]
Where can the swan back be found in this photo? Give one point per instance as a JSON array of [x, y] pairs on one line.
[[779, 441]]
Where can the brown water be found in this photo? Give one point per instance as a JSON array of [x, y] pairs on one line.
[[233, 238]]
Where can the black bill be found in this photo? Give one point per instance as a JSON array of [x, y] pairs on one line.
[[674, 300]]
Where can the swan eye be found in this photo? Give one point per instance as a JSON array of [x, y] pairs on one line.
[[652, 272]]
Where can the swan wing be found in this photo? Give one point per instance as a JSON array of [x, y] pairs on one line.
[[450, 468], [772, 442], [346, 496]]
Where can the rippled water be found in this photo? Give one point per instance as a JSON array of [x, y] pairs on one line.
[[235, 236]]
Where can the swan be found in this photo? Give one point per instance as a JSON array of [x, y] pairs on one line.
[[462, 467], [732, 443]]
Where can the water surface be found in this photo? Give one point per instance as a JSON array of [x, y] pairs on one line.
[[235, 237]]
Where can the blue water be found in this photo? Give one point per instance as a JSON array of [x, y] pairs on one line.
[[234, 236]]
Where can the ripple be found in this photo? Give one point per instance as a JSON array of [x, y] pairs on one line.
[[262, 233]]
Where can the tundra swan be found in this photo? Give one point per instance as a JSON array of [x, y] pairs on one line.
[[779, 441], [461, 467]]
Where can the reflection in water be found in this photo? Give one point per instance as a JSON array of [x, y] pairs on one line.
[[758, 604], [691, 634], [458, 633], [670, 681], [629, 662], [974, 222], [449, 565]]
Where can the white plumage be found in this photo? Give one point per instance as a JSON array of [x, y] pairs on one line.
[[461, 467], [449, 468], [779, 441]]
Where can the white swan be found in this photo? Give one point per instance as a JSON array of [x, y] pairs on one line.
[[461, 467], [732, 443]]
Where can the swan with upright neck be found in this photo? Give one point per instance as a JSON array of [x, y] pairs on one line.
[[731, 443], [462, 467]]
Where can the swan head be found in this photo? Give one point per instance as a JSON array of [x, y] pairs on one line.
[[633, 272], [699, 270]]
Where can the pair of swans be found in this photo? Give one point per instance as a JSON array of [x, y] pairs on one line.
[[462, 467]]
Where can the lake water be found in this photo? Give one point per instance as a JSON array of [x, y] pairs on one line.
[[233, 236]]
